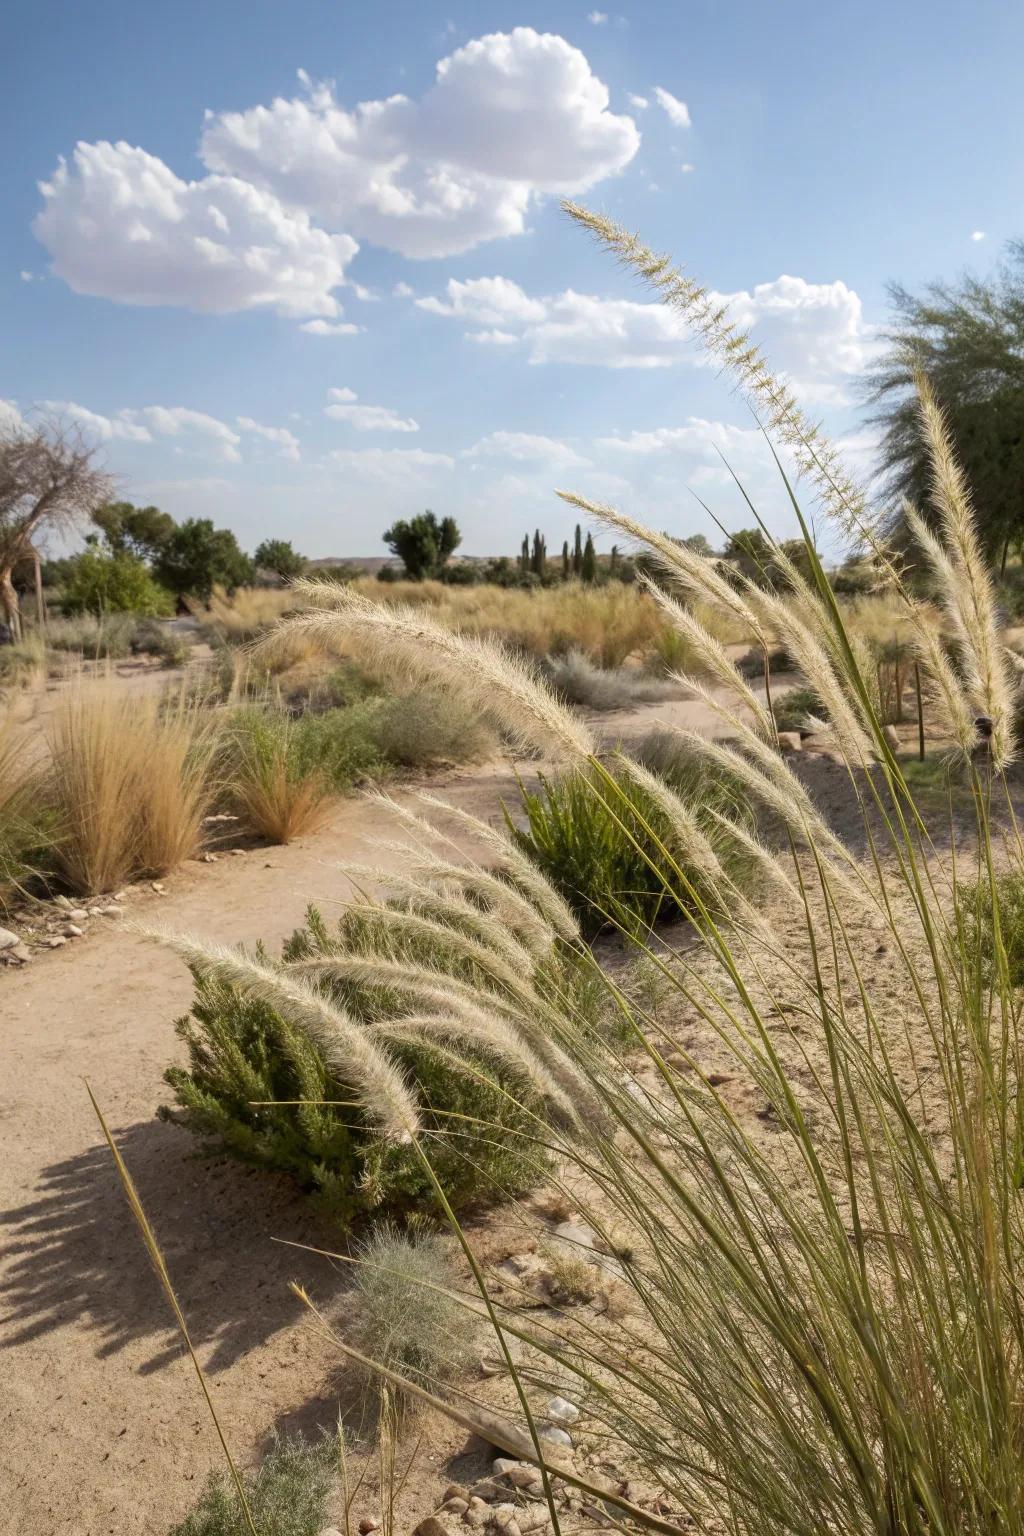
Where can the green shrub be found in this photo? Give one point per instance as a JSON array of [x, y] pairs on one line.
[[280, 771], [109, 637], [288, 1495], [975, 913], [423, 729], [100, 582], [245, 1062], [152, 638], [792, 708], [27, 824], [580, 681], [591, 855]]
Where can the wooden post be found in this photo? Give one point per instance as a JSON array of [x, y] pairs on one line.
[[920, 713]]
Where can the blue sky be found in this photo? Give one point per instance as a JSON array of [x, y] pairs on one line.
[[305, 316]]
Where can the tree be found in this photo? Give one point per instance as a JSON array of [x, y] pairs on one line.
[[577, 552], [565, 561], [49, 482], [112, 581], [131, 530], [968, 338], [539, 558], [197, 557], [278, 555], [751, 554], [588, 562], [699, 544], [423, 544], [524, 555]]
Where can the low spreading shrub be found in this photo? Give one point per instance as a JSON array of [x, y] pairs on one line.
[[975, 911], [151, 638], [248, 1066], [427, 728], [575, 677], [287, 1496], [793, 707], [26, 822], [280, 771], [23, 663], [598, 858], [102, 582], [97, 639]]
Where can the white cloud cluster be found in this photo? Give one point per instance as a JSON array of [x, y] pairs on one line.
[[120, 224], [292, 186], [366, 418], [526, 448], [568, 327], [677, 112], [399, 469], [146, 423], [509, 116], [285, 441], [330, 327], [814, 333]]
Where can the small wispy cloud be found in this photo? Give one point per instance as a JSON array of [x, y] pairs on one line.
[[639, 102], [677, 112], [977, 234], [687, 167], [329, 328], [597, 18]]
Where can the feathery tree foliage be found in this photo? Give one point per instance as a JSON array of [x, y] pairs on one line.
[[967, 337], [278, 555], [131, 530], [423, 543]]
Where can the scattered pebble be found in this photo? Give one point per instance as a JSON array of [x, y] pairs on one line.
[[556, 1436], [112, 911], [77, 914], [56, 942], [367, 1524], [207, 858], [158, 886], [561, 1411], [8, 939], [72, 931], [431, 1526]]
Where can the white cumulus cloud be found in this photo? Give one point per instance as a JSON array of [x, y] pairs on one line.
[[641, 103], [524, 447], [397, 468], [366, 418], [677, 112], [179, 420], [103, 427], [509, 117], [330, 327], [814, 333], [118, 223], [485, 301], [286, 443]]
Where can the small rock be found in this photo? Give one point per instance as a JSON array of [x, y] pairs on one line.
[[234, 852], [72, 931], [574, 1233], [455, 1491], [56, 942], [112, 911], [78, 914], [120, 896], [534, 1517], [8, 939], [455, 1506], [329, 1530], [431, 1526], [521, 1474], [561, 1411], [477, 1515], [20, 952], [211, 858], [503, 1518], [158, 886], [367, 1524], [555, 1436]]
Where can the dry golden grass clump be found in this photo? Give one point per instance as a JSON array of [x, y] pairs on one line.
[[128, 784]]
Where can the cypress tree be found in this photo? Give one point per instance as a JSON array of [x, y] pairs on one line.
[[588, 569], [577, 553], [565, 561]]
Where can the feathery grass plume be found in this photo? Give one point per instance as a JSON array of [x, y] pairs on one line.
[[712, 656], [531, 929], [694, 572], [407, 642], [956, 710], [448, 903], [763, 857], [534, 1018], [817, 668], [479, 1031], [347, 1050], [516, 865], [965, 586], [767, 395]]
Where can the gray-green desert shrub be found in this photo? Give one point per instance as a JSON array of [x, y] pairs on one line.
[[428, 728], [579, 681], [601, 850], [287, 1495]]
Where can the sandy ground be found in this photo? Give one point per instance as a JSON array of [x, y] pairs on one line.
[[102, 1429]]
